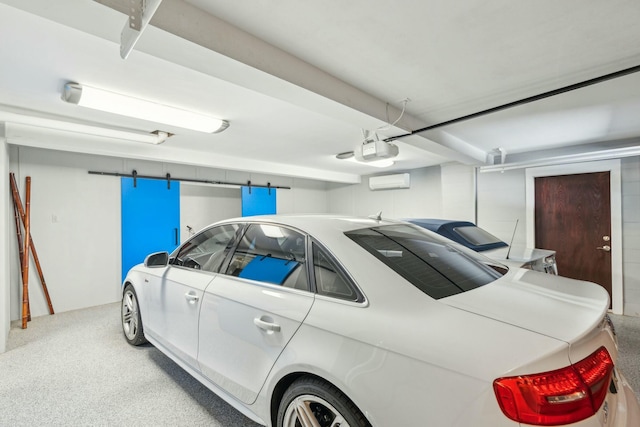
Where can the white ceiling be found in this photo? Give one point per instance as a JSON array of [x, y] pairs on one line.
[[300, 80]]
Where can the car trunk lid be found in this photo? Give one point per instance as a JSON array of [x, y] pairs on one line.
[[557, 307]]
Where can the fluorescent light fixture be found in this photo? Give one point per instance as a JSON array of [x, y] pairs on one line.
[[124, 105], [29, 124]]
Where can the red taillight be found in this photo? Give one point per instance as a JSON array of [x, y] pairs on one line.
[[558, 397]]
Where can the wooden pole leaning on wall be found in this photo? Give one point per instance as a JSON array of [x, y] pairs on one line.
[[25, 255], [18, 221], [17, 203], [36, 261], [18, 233]]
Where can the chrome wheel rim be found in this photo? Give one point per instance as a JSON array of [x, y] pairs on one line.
[[311, 411], [130, 315]]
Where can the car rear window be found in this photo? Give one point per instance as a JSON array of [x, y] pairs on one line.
[[476, 236], [437, 267]]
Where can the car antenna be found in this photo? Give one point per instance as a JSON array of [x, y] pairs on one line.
[[512, 237], [377, 217]]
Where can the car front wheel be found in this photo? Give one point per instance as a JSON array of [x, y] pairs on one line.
[[131, 320], [313, 402]]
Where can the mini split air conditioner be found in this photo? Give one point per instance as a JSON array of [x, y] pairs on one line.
[[388, 182]]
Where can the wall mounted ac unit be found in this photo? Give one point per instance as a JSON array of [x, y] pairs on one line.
[[388, 182]]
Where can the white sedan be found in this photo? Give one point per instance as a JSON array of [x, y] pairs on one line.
[[340, 321]]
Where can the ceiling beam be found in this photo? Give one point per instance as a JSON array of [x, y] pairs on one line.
[[188, 22], [444, 144]]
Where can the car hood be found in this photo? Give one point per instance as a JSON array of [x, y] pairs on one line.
[[518, 254], [554, 306]]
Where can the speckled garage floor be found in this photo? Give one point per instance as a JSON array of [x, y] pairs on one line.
[[76, 369]]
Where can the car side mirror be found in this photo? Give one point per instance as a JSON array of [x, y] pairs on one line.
[[158, 259]]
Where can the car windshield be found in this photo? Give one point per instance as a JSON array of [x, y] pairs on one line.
[[437, 267], [476, 236]]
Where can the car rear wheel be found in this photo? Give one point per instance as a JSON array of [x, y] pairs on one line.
[[312, 402], [131, 320]]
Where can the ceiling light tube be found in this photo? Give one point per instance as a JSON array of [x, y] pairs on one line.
[[124, 105], [26, 124]]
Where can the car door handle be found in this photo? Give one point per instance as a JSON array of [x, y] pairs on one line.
[[266, 324], [191, 297]]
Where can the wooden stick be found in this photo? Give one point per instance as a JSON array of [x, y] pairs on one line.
[[25, 258], [18, 204], [18, 233], [20, 247]]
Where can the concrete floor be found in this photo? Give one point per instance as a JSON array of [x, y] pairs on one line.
[[76, 369], [628, 330]]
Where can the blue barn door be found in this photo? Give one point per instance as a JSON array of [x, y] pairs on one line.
[[258, 201], [150, 219]]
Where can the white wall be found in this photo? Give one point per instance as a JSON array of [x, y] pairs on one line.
[[75, 220], [631, 234], [445, 191], [201, 204], [502, 202], [423, 199], [75, 225], [305, 196], [5, 209], [458, 192]]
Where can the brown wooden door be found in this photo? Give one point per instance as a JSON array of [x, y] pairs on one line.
[[573, 217]]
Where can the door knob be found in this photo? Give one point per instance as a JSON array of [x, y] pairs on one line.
[[605, 248]]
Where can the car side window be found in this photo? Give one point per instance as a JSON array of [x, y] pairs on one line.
[[207, 250], [272, 254], [328, 277]]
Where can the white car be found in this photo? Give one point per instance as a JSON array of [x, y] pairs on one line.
[[340, 321]]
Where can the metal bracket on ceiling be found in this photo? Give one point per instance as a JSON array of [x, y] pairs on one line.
[[140, 14]]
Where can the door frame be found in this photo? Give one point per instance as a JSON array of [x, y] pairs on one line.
[[614, 168]]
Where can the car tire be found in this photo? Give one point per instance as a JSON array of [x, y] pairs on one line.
[[131, 319], [313, 397]]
